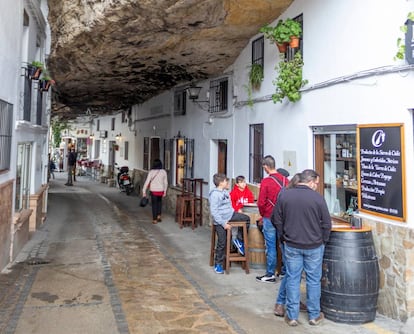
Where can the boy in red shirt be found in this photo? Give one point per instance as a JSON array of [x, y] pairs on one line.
[[241, 194]]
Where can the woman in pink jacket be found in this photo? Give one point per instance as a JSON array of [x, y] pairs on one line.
[[157, 183]]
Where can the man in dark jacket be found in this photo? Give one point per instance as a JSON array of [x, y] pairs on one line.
[[304, 224], [71, 166]]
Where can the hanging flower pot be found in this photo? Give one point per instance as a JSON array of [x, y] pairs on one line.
[[294, 42], [34, 70], [45, 83], [282, 47]]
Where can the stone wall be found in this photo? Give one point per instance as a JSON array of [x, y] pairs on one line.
[[6, 195], [394, 244], [20, 231], [36, 204]]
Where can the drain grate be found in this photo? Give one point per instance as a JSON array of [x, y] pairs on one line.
[[34, 261]]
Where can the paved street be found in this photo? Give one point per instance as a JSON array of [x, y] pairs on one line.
[[98, 265]]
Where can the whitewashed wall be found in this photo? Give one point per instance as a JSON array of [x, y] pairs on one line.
[[10, 31], [341, 38]]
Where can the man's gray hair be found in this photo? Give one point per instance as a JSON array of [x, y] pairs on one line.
[[308, 175]]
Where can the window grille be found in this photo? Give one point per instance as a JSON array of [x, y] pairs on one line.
[[180, 102], [126, 148], [39, 107], [6, 123], [258, 51], [256, 152], [219, 92], [27, 100]]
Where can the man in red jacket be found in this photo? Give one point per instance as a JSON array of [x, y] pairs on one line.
[[269, 190]]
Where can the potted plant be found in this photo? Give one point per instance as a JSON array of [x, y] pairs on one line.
[[35, 68], [286, 32], [289, 81], [255, 79], [279, 35], [45, 82], [400, 41], [255, 75], [295, 31]]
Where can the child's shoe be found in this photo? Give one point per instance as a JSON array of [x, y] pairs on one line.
[[218, 269], [239, 245]]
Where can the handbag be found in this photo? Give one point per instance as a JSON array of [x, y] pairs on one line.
[[144, 202]]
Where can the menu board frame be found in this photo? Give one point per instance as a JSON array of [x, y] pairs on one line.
[[383, 169]]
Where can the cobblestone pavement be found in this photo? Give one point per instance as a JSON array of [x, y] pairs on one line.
[[98, 265]]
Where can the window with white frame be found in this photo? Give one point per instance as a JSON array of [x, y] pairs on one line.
[[24, 160], [256, 137]]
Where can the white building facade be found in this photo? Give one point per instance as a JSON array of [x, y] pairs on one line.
[[25, 115]]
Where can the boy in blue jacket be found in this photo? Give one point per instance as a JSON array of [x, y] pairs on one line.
[[222, 212]]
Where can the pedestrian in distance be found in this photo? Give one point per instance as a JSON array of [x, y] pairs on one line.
[[269, 191], [71, 165], [52, 168], [157, 183], [222, 213], [304, 224]]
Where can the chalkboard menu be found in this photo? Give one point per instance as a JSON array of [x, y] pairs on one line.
[[381, 170]]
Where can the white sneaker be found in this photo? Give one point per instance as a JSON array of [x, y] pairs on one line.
[[266, 279]]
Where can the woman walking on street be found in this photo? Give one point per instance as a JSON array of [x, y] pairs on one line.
[[157, 183]]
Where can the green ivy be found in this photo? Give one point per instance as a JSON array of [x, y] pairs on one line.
[[57, 128], [289, 82]]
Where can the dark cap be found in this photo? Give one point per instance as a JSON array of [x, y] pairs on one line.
[[283, 171]]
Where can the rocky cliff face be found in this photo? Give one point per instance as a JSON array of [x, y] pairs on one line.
[[109, 54]]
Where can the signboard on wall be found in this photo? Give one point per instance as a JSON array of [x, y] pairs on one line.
[[381, 170]]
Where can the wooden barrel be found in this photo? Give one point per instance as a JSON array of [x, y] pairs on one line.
[[257, 255], [350, 277]]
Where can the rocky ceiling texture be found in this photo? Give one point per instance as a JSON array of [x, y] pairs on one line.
[[110, 54]]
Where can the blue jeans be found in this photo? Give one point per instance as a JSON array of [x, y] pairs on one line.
[[281, 296], [270, 236], [309, 260]]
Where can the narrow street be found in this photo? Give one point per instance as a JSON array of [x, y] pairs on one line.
[[98, 265]]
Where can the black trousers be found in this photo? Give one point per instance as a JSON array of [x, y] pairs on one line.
[[156, 204], [222, 237]]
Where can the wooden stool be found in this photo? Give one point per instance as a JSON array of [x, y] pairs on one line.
[[231, 257], [236, 257], [187, 209]]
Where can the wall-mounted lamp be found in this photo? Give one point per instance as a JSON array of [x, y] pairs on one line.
[[91, 136], [193, 93], [118, 136]]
